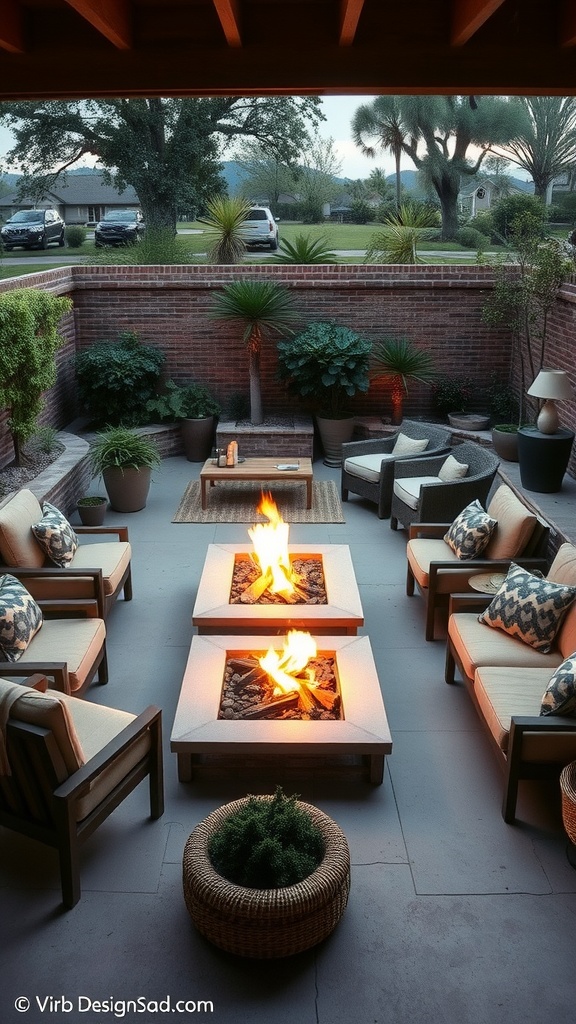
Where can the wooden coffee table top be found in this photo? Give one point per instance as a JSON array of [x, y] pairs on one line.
[[255, 468]]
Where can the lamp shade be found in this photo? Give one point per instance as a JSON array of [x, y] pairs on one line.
[[552, 384]]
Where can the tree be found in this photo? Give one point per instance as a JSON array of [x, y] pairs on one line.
[[545, 145], [438, 133], [257, 307], [167, 149], [29, 338], [316, 177], [382, 120], [395, 360], [266, 175]]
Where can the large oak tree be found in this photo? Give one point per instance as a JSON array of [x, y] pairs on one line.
[[167, 149]]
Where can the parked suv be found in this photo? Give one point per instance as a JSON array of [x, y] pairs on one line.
[[119, 227], [260, 228], [33, 229]]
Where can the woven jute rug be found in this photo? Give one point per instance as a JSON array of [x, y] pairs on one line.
[[236, 503]]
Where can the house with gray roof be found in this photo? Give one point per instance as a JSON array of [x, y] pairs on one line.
[[79, 199]]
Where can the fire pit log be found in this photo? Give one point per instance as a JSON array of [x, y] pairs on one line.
[[269, 708], [256, 589]]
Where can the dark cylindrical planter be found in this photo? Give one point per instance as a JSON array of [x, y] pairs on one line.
[[333, 434], [94, 513], [505, 443], [198, 437], [127, 487], [543, 458]]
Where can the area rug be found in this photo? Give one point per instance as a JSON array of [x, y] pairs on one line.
[[236, 503]]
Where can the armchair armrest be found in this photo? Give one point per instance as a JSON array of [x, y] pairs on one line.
[[520, 724], [427, 530], [469, 566], [47, 573], [52, 607], [474, 603], [376, 446], [419, 466], [57, 670], [120, 531]]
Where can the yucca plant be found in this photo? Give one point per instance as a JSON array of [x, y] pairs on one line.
[[225, 236], [397, 241], [305, 249], [257, 307], [396, 360]]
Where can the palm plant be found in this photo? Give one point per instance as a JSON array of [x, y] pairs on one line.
[[396, 243], [395, 360], [382, 120], [225, 220], [305, 249], [257, 307]]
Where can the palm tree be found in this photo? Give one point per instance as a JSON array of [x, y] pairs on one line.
[[395, 360], [225, 220], [396, 242], [257, 307], [382, 120]]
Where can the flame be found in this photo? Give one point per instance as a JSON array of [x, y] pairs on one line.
[[282, 666], [270, 542]]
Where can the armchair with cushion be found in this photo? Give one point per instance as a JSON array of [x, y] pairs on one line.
[[34, 536], [63, 639], [66, 764], [437, 570], [519, 665], [435, 490], [368, 466]]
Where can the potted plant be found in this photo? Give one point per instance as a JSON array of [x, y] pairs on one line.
[[394, 360], [125, 459], [452, 396], [195, 407], [505, 411], [327, 364], [92, 509], [266, 876]]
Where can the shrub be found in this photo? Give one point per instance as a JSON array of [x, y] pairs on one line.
[[511, 210], [117, 379], [183, 401], [75, 235], [327, 364], [484, 223], [45, 440], [267, 844], [471, 238], [452, 394]]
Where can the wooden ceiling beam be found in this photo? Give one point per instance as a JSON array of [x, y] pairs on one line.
[[228, 12], [350, 11], [109, 17], [11, 28], [468, 16]]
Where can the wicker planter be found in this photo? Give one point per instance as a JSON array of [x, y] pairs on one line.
[[568, 790], [266, 923]]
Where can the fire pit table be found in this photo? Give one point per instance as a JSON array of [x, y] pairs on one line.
[[341, 613], [361, 730]]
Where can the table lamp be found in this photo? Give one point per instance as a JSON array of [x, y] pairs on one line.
[[554, 386]]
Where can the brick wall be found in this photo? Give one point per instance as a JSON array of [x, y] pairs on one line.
[[437, 307]]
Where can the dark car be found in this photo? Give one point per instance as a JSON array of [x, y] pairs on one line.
[[119, 227], [33, 229]]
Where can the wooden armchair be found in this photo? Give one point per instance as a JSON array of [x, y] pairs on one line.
[[67, 764], [106, 563], [368, 466]]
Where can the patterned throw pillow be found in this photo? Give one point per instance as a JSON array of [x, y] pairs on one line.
[[409, 445], [20, 618], [560, 695], [529, 608], [55, 535], [470, 531]]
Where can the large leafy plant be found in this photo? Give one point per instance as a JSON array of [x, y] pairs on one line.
[[184, 401], [327, 364], [117, 378]]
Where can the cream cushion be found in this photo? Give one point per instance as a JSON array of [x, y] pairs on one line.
[[18, 545], [49, 712], [451, 469], [515, 524], [76, 642], [504, 692], [407, 488], [422, 551], [409, 445], [113, 557], [563, 570], [478, 645], [367, 467]]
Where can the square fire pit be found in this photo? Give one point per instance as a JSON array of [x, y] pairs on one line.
[[362, 730], [342, 614]]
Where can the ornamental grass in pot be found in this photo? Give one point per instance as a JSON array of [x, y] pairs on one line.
[[266, 876], [125, 459]]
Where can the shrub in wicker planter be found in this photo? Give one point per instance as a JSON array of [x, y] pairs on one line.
[[279, 920]]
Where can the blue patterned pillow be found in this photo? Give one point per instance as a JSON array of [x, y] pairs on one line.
[[20, 618], [55, 535], [529, 608], [470, 532], [560, 694]]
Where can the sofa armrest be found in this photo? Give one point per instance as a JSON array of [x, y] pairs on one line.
[[473, 603], [520, 724]]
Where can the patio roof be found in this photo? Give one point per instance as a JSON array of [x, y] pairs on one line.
[[80, 48]]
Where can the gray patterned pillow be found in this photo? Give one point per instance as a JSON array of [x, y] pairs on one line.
[[470, 532], [55, 535], [560, 694], [20, 618], [529, 608]]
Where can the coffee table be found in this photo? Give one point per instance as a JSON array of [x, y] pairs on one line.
[[263, 470], [363, 731]]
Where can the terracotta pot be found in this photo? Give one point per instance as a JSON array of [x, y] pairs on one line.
[[333, 434], [198, 437], [266, 923], [127, 487]]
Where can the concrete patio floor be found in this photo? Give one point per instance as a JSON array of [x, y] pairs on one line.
[[453, 915]]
